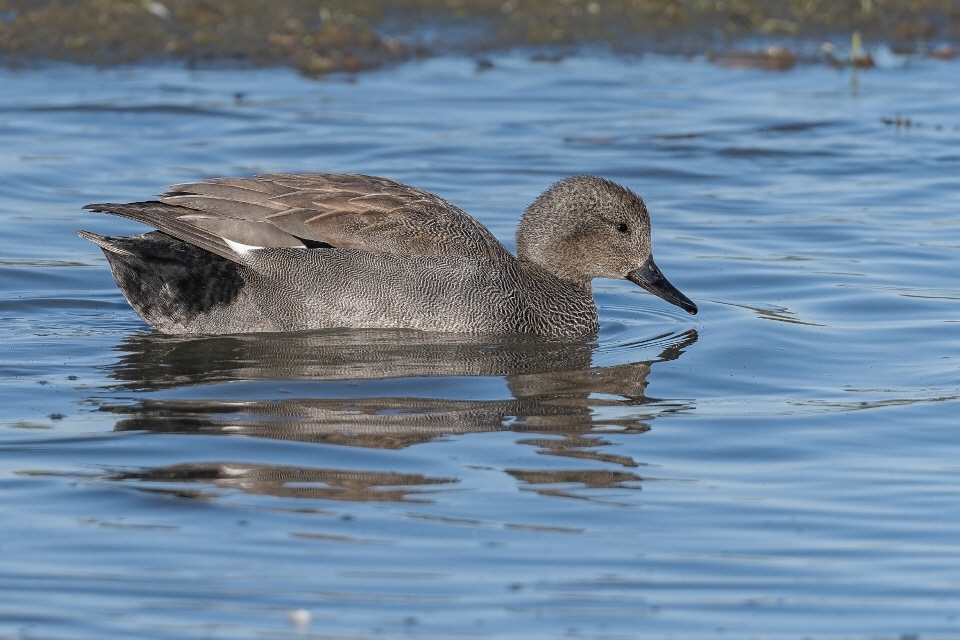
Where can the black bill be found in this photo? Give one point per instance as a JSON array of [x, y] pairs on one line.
[[649, 277]]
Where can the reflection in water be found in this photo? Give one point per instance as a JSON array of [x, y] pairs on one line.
[[579, 446], [285, 482], [553, 391], [773, 312], [152, 361], [546, 483]]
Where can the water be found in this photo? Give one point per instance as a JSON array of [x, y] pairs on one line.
[[783, 465]]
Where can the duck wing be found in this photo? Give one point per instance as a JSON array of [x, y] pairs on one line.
[[351, 211]]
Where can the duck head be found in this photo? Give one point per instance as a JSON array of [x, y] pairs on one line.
[[586, 227]]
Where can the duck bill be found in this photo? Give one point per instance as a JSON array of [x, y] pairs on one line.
[[649, 277]]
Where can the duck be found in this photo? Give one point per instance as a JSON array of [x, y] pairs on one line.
[[305, 251]]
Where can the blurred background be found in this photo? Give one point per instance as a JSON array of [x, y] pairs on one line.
[[323, 36]]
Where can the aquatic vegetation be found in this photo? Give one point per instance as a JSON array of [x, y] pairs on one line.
[[320, 36]]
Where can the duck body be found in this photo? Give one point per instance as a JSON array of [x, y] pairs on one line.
[[292, 252]]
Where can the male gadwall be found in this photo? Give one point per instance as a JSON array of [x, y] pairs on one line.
[[288, 252]]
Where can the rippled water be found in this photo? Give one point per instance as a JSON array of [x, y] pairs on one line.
[[784, 465]]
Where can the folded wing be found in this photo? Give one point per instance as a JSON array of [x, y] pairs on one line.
[[310, 210]]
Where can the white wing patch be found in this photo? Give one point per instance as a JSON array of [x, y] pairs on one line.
[[239, 248]]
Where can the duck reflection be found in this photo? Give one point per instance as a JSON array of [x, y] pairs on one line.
[[285, 482], [562, 484], [378, 389]]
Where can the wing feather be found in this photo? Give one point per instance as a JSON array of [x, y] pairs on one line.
[[341, 210]]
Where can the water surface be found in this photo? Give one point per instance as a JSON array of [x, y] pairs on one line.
[[783, 465]]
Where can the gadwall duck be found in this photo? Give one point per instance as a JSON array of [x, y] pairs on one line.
[[289, 252]]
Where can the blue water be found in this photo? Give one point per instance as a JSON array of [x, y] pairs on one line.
[[786, 464]]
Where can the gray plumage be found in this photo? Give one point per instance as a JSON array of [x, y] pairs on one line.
[[289, 252]]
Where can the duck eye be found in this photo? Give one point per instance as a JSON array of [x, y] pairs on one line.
[[623, 228]]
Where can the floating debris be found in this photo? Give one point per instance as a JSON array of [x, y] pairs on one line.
[[944, 52], [300, 618], [859, 58], [772, 58]]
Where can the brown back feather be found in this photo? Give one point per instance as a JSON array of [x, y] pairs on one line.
[[344, 210]]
